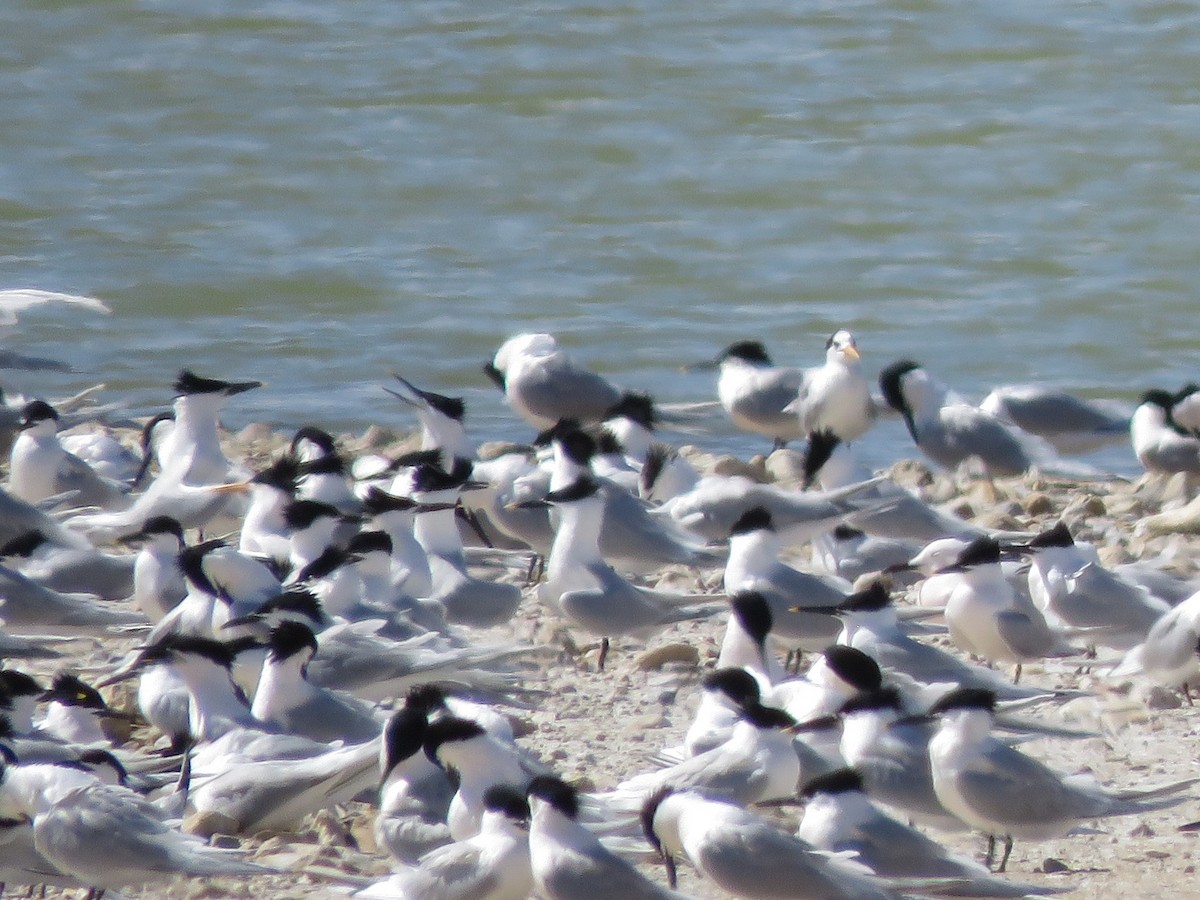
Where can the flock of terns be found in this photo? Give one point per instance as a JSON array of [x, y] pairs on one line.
[[326, 647]]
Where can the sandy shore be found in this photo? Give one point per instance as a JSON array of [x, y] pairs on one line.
[[597, 727]]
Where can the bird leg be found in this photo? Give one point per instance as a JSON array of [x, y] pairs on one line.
[[1187, 694], [537, 566], [1008, 845], [603, 653], [989, 856], [672, 875], [1017, 675]]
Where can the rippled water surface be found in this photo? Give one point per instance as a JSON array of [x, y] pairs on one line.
[[315, 193]]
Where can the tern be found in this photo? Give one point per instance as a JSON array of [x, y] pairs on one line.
[[746, 855], [890, 750], [568, 861], [946, 428], [1160, 443], [589, 592], [40, 467], [481, 761], [899, 513], [989, 619], [414, 794], [543, 385], [757, 763], [491, 865], [1006, 794], [871, 624], [287, 701], [755, 393], [106, 836], [754, 565], [836, 397], [1081, 598], [1169, 656], [840, 818]]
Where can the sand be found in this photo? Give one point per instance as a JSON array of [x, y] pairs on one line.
[[596, 727]]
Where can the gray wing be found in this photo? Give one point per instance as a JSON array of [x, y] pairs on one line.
[[94, 490], [1049, 411], [597, 874], [765, 403], [1025, 632], [110, 837], [1171, 643], [1011, 788], [84, 572], [479, 604], [756, 860], [963, 431], [1175, 453], [24, 604], [898, 773], [328, 717], [564, 391], [1098, 598], [454, 872], [640, 542], [617, 607]]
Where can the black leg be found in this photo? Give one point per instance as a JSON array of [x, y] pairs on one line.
[[989, 856], [1008, 845], [603, 653]]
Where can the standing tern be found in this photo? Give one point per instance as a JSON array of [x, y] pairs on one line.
[[840, 818], [467, 599], [946, 428], [1006, 794], [755, 393], [754, 565], [192, 452], [836, 397], [1081, 598], [870, 623], [543, 385], [891, 752], [747, 856], [442, 421], [191, 484], [589, 592], [986, 617]]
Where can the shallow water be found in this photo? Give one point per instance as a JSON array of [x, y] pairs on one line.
[[316, 193]]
